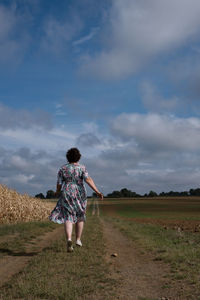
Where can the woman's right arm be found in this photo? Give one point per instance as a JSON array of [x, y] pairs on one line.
[[90, 182]]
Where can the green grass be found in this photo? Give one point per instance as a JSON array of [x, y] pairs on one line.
[[56, 274], [16, 235], [130, 212], [22, 228]]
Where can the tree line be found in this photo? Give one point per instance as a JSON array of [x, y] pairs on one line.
[[125, 193]]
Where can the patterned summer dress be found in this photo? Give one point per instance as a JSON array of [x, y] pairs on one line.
[[72, 203]]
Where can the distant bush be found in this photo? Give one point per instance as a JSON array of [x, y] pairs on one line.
[[41, 196]]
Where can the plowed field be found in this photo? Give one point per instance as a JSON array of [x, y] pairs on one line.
[[176, 213]]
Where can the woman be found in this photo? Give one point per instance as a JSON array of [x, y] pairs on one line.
[[71, 206]]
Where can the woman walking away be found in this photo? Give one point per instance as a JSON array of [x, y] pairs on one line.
[[71, 206]]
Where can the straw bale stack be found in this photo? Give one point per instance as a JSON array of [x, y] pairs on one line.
[[15, 207]]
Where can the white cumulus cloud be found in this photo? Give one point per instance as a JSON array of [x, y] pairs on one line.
[[139, 31], [159, 132], [154, 101]]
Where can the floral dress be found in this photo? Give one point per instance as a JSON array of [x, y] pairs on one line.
[[72, 203]]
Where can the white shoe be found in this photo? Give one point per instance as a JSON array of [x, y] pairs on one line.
[[78, 243]]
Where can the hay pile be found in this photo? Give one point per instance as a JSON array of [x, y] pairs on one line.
[[15, 207]]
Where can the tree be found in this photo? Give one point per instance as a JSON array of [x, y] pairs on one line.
[[185, 193], [152, 194], [114, 194], [123, 193], [162, 194], [50, 194], [195, 192], [40, 195]]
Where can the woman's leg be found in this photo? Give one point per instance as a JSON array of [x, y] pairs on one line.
[[79, 229], [68, 226]]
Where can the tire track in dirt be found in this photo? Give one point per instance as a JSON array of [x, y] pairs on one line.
[[13, 264], [141, 277], [95, 207]]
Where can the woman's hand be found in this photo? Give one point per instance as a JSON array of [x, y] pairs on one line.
[[90, 182], [100, 195]]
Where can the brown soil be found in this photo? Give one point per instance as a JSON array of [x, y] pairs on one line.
[[15, 262], [183, 225], [140, 275]]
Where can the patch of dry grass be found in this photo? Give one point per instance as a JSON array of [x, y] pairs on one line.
[[15, 207]]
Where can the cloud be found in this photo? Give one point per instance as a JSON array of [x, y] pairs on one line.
[[141, 152], [153, 100], [12, 119], [56, 139], [8, 45], [139, 31], [59, 110], [35, 130], [150, 152], [58, 34], [87, 37], [88, 140], [8, 21], [184, 75], [158, 132], [14, 38], [29, 171]]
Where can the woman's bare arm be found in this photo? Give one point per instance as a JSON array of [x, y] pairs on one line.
[[91, 183]]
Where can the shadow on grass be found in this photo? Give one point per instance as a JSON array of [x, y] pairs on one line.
[[12, 253]]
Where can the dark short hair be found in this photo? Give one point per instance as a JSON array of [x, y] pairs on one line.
[[73, 155]]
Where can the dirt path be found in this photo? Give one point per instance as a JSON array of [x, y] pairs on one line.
[[95, 207], [141, 277], [15, 262]]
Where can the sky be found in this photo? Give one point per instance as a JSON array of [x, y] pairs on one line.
[[119, 79]]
